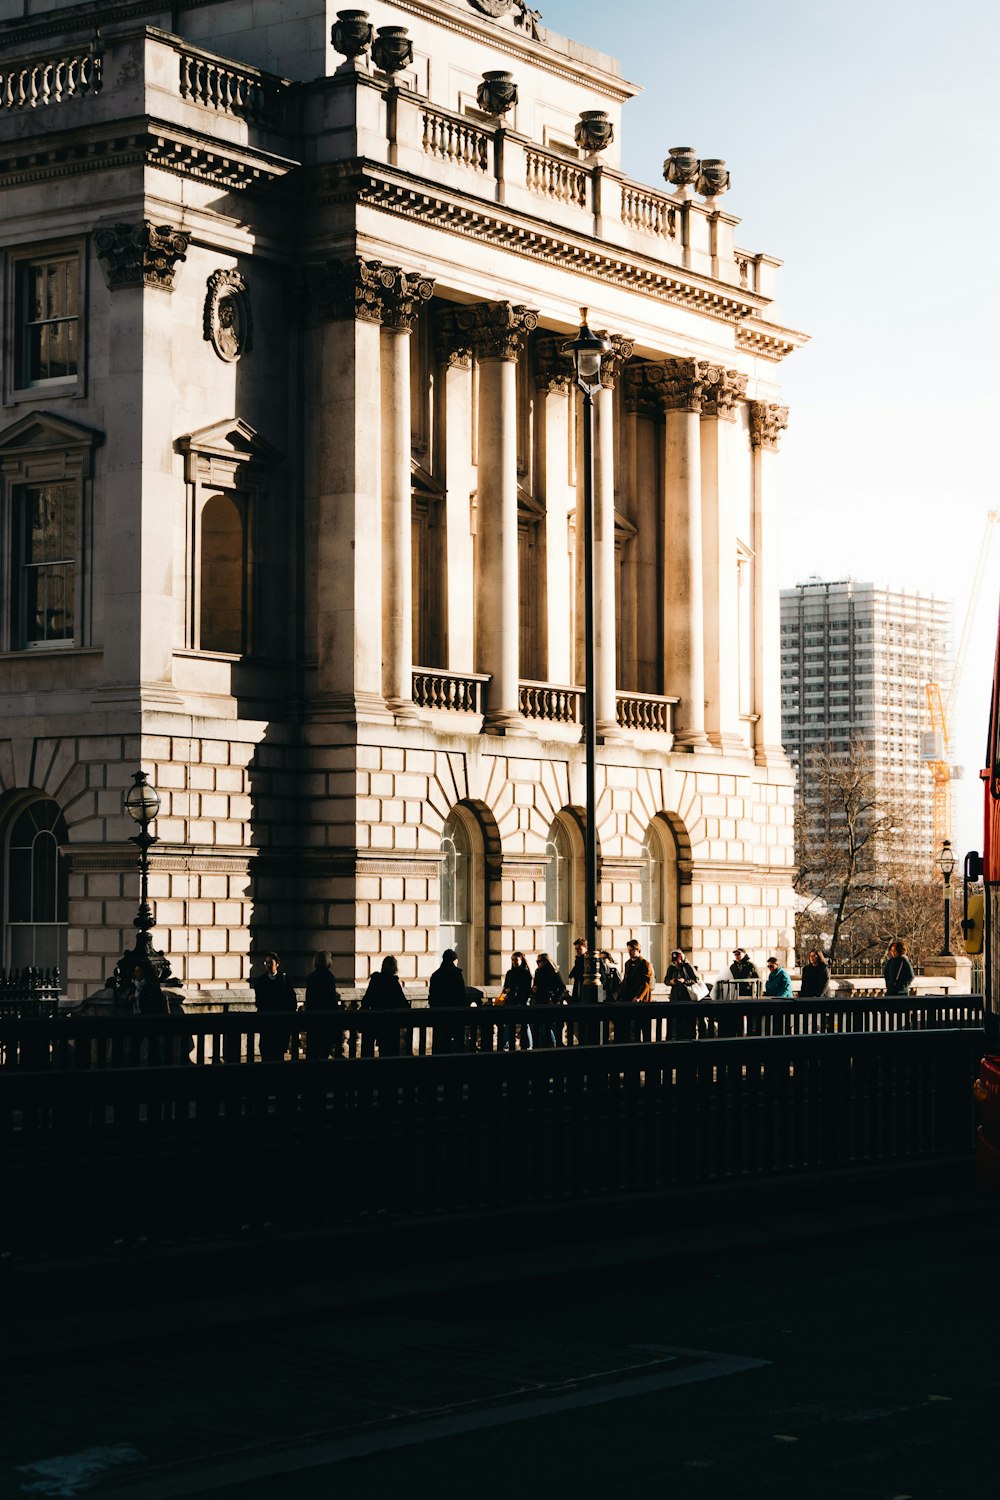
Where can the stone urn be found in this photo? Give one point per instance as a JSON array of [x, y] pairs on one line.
[[681, 169], [497, 93], [392, 49], [593, 131], [713, 179], [351, 33]]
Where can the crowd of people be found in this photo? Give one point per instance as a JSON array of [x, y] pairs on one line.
[[541, 989]]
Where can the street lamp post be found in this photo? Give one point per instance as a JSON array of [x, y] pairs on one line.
[[142, 804], [586, 351], [946, 863]]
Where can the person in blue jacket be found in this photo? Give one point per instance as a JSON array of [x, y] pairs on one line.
[[778, 984]]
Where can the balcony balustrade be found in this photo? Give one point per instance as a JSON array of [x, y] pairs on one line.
[[27, 84], [546, 702], [449, 692]]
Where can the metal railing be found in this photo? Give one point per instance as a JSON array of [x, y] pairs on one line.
[[78, 1043], [195, 1155]]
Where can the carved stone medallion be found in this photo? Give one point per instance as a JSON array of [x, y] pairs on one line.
[[493, 7], [228, 315]]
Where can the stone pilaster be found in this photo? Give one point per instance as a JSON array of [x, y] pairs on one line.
[[721, 455], [555, 386], [453, 437], [399, 304], [496, 332], [767, 422], [343, 478], [676, 387], [604, 538]]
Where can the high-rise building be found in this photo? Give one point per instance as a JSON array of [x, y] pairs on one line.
[[292, 497], [855, 664]]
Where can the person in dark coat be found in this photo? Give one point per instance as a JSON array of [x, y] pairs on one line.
[[637, 988], [446, 992], [897, 971], [611, 979], [547, 991], [145, 997], [274, 995], [516, 991], [815, 976], [743, 969], [384, 992], [322, 998], [685, 986]]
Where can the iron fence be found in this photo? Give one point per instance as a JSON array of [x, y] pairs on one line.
[[111, 1160]]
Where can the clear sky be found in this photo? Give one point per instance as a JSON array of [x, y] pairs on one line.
[[862, 139]]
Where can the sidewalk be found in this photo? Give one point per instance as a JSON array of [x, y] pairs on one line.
[[394, 1355]]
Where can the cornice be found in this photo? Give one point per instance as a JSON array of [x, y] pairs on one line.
[[83, 18], [142, 142], [768, 340], [371, 183], [519, 46]]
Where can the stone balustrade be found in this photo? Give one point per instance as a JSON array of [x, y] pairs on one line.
[[50, 80], [646, 711], [233, 91], [456, 141], [553, 176], [452, 692], [648, 211], [550, 702]]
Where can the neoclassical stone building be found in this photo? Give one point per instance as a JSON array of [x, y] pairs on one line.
[[291, 497]]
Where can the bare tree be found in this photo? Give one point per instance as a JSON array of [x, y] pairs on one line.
[[843, 834]]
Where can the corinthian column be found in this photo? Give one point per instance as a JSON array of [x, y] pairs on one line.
[[496, 332], [604, 538], [399, 305], [719, 479], [343, 482], [767, 422], [676, 387]]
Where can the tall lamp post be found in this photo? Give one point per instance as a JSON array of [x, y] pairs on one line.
[[142, 804], [946, 863], [586, 351]]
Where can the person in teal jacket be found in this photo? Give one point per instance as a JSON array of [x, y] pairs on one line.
[[778, 984]]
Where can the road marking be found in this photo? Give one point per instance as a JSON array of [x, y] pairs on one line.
[[698, 1364]]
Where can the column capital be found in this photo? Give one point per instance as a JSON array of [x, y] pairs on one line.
[[721, 391], [666, 385], [401, 301], [143, 254], [338, 291], [614, 361], [492, 330], [767, 422], [553, 370]]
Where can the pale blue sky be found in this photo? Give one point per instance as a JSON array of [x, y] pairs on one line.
[[862, 139]]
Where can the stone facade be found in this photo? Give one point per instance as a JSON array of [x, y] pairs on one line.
[[292, 486]]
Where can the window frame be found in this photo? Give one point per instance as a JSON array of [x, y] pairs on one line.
[[17, 386], [37, 451]]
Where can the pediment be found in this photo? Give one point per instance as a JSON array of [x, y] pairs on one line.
[[423, 482], [39, 431], [232, 439]]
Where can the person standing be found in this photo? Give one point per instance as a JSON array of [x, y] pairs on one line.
[[637, 986], [815, 976], [611, 979], [274, 996], [744, 970], [384, 993], [685, 986], [446, 992], [322, 997], [897, 971], [547, 991], [516, 991], [778, 984]]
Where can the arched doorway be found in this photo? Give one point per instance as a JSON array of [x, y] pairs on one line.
[[563, 896], [659, 896], [35, 886], [462, 922]]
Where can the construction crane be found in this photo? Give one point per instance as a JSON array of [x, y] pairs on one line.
[[935, 743]]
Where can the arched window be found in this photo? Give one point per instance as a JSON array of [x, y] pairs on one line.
[[462, 920], [561, 875], [222, 614], [36, 887], [658, 896]]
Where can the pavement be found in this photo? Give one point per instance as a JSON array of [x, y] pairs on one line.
[[824, 1339]]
